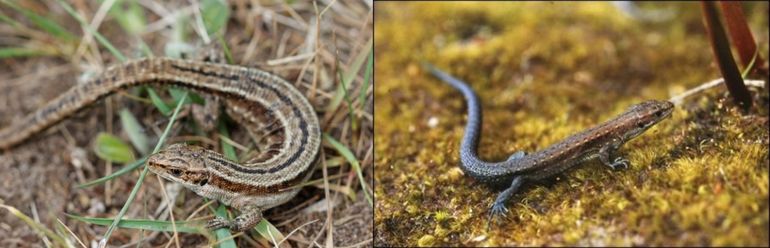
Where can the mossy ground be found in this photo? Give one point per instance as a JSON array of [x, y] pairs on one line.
[[545, 71]]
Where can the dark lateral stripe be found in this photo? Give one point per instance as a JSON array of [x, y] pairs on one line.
[[285, 99], [247, 189], [302, 128], [207, 73]]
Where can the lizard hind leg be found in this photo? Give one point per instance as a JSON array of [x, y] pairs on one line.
[[498, 207], [517, 155]]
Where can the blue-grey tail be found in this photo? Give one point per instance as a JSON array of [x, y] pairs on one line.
[[470, 96], [470, 161]]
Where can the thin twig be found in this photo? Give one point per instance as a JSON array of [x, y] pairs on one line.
[[677, 100]]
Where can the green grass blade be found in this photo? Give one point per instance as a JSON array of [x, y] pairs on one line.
[[158, 102], [751, 65], [367, 74], [112, 148], [335, 162], [224, 236], [126, 169], [346, 80], [146, 50], [215, 14], [177, 94], [134, 130], [337, 98], [139, 181], [353, 122], [44, 23], [130, 16], [345, 152], [36, 226], [355, 67], [14, 52], [144, 224], [269, 232], [227, 148], [226, 50], [6, 19]]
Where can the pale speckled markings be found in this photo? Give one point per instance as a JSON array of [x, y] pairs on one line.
[[256, 99], [600, 142]]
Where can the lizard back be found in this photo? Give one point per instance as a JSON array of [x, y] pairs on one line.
[[268, 105]]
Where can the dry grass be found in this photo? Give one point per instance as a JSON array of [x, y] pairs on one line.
[[310, 45]]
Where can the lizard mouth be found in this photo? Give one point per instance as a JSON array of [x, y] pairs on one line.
[[179, 175], [160, 169]]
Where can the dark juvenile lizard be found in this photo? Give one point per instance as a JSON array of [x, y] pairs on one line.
[[601, 141]]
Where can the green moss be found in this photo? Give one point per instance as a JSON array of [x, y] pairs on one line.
[[545, 71], [442, 216], [427, 240]]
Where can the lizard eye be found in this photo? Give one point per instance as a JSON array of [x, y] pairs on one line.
[[175, 172], [640, 125]]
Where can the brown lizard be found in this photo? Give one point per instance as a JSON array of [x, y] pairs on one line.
[[266, 105]]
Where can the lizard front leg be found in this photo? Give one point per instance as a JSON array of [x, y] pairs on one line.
[[250, 216], [608, 150]]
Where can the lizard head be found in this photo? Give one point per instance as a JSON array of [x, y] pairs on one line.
[[646, 114], [181, 163]]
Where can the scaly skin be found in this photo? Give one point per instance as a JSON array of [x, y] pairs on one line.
[[601, 141], [267, 106]]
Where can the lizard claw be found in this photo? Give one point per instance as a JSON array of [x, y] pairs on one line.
[[497, 211], [620, 161]]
